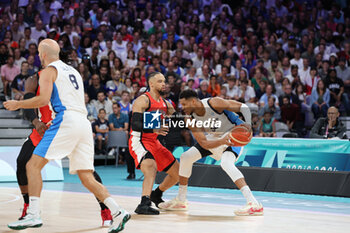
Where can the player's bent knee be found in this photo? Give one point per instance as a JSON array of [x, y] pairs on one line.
[[36, 163], [188, 157], [21, 163], [149, 166], [228, 165], [173, 171], [86, 177], [186, 162]]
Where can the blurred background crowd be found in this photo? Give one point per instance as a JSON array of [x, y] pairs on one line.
[[287, 60]]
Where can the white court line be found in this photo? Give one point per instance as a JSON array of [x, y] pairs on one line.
[[198, 202], [16, 198]]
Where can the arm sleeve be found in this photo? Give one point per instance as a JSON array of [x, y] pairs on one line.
[[137, 123], [29, 113], [233, 117], [246, 114]]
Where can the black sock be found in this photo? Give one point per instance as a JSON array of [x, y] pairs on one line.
[[25, 198], [102, 205], [158, 192], [145, 200]]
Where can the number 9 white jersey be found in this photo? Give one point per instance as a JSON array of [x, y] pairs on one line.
[[68, 89]]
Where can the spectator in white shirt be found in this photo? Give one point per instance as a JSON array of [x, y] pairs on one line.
[[67, 29], [103, 102], [37, 31], [246, 93], [119, 46], [343, 72], [68, 11], [217, 37], [18, 58], [238, 48], [304, 71], [231, 88], [297, 59], [147, 23], [153, 47], [199, 59]]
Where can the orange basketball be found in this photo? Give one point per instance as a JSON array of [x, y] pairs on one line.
[[240, 135]]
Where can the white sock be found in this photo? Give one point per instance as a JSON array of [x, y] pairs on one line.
[[248, 194], [34, 205], [182, 192], [112, 205]]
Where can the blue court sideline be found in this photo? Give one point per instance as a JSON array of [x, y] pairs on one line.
[[114, 179]]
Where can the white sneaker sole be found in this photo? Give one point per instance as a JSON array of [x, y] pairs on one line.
[[250, 214], [173, 209], [24, 227]]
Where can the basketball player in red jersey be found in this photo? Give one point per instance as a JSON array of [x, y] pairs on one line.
[[147, 151], [41, 124]]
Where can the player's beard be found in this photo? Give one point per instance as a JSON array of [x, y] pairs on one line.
[[161, 92]]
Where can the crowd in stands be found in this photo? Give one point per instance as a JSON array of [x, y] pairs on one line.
[[287, 60]]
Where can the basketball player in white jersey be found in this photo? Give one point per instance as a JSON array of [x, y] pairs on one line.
[[69, 135], [214, 142]]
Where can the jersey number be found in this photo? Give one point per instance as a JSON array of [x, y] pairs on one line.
[[74, 81]]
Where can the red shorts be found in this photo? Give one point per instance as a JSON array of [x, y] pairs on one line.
[[138, 150]]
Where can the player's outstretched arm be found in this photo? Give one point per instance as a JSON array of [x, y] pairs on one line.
[[48, 76], [220, 105]]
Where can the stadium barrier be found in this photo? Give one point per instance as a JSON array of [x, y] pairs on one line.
[[8, 156], [308, 166]]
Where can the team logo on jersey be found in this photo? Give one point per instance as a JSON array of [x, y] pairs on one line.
[[151, 120]]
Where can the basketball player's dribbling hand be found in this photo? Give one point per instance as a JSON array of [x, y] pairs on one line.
[[161, 131], [227, 140], [40, 127], [11, 105], [249, 127]]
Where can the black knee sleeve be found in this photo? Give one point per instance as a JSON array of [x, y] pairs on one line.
[[24, 155]]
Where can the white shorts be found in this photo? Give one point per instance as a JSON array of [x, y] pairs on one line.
[[216, 153], [69, 135]]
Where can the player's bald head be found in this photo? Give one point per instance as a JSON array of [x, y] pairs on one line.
[[49, 49]]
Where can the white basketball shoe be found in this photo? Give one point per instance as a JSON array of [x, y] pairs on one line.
[[251, 209], [28, 221], [119, 221], [174, 204]]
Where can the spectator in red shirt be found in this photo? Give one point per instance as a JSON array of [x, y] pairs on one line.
[[214, 87], [291, 116]]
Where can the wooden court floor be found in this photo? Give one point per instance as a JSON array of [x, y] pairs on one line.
[[79, 212]]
